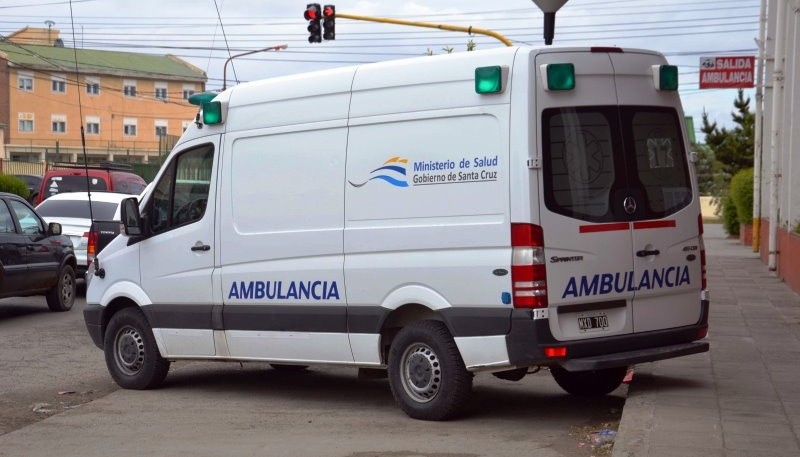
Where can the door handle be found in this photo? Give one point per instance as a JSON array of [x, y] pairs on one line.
[[201, 247], [645, 253]]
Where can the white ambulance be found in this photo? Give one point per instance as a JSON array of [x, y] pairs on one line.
[[436, 217]]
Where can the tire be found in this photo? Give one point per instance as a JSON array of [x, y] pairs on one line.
[[592, 383], [426, 373], [288, 368], [131, 352], [62, 296]]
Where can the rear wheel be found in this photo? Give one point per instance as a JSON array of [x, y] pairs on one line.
[[591, 383], [62, 296], [131, 352], [426, 373]]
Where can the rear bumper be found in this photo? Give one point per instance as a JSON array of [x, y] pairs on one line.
[[528, 340]]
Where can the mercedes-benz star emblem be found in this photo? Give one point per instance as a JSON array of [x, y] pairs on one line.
[[630, 205]]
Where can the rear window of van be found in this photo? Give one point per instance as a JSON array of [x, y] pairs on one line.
[[597, 157], [60, 184]]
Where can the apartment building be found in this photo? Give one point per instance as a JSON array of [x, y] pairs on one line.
[[130, 104]]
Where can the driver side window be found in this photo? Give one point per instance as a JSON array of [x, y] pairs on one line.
[[28, 221], [180, 196]]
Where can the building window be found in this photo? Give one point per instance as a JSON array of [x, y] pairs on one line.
[[58, 123], [129, 88], [58, 84], [161, 127], [161, 91], [92, 125], [92, 86], [25, 82], [188, 91], [129, 127], [25, 122]]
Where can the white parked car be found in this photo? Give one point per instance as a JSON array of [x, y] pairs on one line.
[[71, 210]]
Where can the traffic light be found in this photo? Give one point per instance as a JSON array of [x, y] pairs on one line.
[[313, 15], [329, 22]]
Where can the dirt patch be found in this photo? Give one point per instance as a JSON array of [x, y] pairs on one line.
[[20, 411]]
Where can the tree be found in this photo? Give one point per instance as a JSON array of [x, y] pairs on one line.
[[708, 168], [733, 149]]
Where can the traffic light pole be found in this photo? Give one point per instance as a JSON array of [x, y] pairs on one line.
[[452, 28]]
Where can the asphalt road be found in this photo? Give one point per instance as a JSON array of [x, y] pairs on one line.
[[56, 398]]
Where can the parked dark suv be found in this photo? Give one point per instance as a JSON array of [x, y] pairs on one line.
[[104, 177], [36, 258]]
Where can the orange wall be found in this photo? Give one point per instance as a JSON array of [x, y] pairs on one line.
[[109, 105]]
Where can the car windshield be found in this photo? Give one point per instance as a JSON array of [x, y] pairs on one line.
[[102, 211]]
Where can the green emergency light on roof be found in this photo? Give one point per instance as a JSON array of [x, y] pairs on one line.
[[489, 80], [212, 113], [203, 97], [559, 76], [665, 77]]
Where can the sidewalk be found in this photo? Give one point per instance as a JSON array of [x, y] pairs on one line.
[[741, 399]]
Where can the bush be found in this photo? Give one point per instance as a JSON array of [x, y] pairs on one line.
[[13, 185], [741, 191], [730, 220]]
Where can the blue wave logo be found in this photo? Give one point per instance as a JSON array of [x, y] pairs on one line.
[[392, 171]]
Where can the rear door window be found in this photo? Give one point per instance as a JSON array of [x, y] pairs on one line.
[[597, 160], [582, 162], [660, 160]]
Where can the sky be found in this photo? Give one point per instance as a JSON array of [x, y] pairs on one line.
[[206, 32]]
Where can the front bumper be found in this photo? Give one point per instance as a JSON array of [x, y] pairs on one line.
[[93, 316]]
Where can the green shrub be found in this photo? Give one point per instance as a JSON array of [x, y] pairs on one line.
[[730, 220], [13, 185], [741, 191]]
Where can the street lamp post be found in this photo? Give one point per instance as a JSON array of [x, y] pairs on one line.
[[549, 8], [225, 67]]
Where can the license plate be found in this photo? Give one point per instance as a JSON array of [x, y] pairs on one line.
[[598, 321]]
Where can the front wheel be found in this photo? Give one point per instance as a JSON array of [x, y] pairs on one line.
[[131, 352], [62, 296], [426, 373], [591, 383]]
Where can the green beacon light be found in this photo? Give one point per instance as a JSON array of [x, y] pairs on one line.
[[489, 80], [559, 76], [203, 97], [212, 113], [665, 77]]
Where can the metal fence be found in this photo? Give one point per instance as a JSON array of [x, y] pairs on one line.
[[147, 171]]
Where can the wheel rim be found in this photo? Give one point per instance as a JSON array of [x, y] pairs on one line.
[[129, 350], [422, 373], [67, 286]]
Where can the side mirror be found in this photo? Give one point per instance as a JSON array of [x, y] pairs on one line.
[[53, 229], [131, 220]]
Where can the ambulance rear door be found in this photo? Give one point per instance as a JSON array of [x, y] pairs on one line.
[[661, 201], [587, 235]]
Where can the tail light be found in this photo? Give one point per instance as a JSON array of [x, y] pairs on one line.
[[91, 246], [528, 274], [703, 279]]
